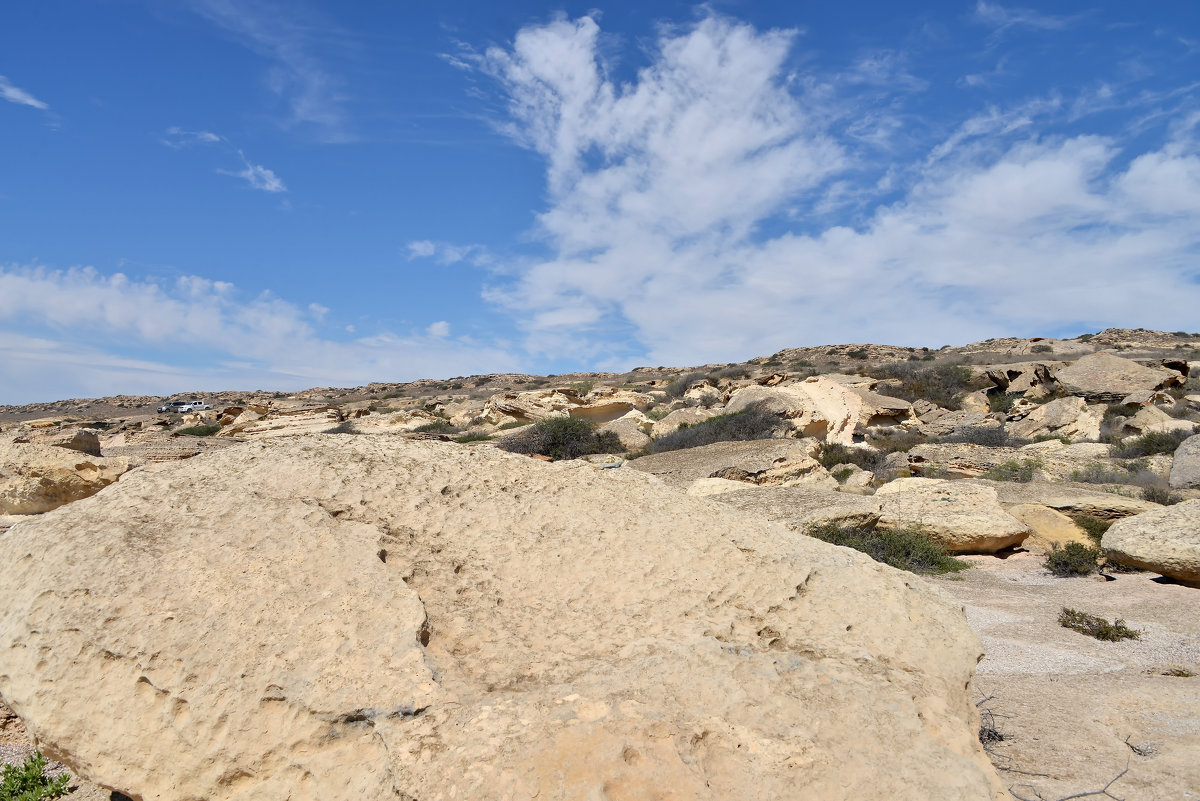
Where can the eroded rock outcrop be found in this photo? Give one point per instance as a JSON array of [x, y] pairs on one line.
[[358, 618], [964, 519], [1103, 377], [38, 478], [1185, 466], [816, 407], [1064, 417], [1166, 541]]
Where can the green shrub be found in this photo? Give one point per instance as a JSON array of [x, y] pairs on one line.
[[943, 384], [514, 424], [895, 440], [464, 439], [728, 372], [834, 453], [681, 384], [1042, 349], [1001, 402], [860, 354], [1148, 444], [989, 436], [436, 427], [206, 430], [29, 782], [907, 549], [562, 438], [841, 475], [1131, 473], [344, 427], [1161, 495], [1013, 470], [751, 423], [1074, 559], [1097, 627], [1094, 527]]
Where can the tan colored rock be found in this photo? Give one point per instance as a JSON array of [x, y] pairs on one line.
[[1020, 378], [1153, 420], [1185, 465], [84, 440], [530, 406], [1048, 527], [1105, 378], [1065, 417], [371, 619], [975, 402], [38, 478], [804, 506], [1146, 397], [815, 407], [690, 416], [1066, 499], [1166, 541], [631, 429], [733, 460], [310, 420], [941, 423], [707, 487], [964, 519], [880, 410]]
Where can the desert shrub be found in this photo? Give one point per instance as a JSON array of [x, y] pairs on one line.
[[344, 427], [681, 384], [1134, 472], [907, 549], [751, 423], [730, 372], [29, 782], [1161, 495], [943, 384], [801, 363], [436, 427], [860, 354], [658, 413], [1042, 349], [1094, 527], [562, 438], [206, 430], [1085, 337], [841, 475], [831, 454], [989, 436], [1073, 559], [1097, 627], [1001, 402], [895, 440], [514, 424], [1012, 470], [1148, 444], [465, 438]]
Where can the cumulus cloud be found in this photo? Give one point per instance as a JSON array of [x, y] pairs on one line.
[[96, 334], [686, 210], [19, 96]]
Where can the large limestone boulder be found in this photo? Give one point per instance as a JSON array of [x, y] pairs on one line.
[[688, 416], [1185, 467], [1067, 499], [287, 422], [816, 407], [801, 507], [631, 430], [880, 410], [1153, 420], [38, 478], [360, 618], [1064, 417], [964, 519], [1048, 527], [762, 461], [84, 440], [1105, 378], [529, 406], [1166, 541], [1020, 378]]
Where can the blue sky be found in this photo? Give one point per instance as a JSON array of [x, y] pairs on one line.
[[225, 194]]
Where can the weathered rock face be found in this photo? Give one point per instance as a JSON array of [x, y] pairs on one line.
[[1103, 377], [1152, 420], [964, 519], [1020, 378], [84, 440], [815, 407], [357, 618], [38, 478], [1185, 467], [675, 419], [631, 429], [1065, 417], [1166, 540], [768, 461], [286, 422], [1048, 527], [880, 410]]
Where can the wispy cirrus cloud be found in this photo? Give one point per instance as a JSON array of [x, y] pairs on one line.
[[85, 333], [256, 175], [288, 36], [1003, 18], [685, 209], [15, 94], [177, 138]]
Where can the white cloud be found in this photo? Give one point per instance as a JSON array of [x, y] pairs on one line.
[[439, 329], [257, 176], [19, 96], [177, 137], [662, 191], [448, 253], [288, 35], [1003, 18], [78, 332]]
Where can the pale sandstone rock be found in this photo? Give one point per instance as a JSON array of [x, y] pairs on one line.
[[756, 457], [1020, 378], [38, 478], [532, 406], [690, 415], [1052, 459], [1166, 541], [1151, 420], [1048, 527], [964, 519], [1103, 377], [84, 440], [941, 423], [360, 618], [1066, 499], [815, 407], [290, 422], [880, 410], [631, 430], [1065, 417], [975, 402], [707, 487], [1146, 397], [1185, 466], [802, 507]]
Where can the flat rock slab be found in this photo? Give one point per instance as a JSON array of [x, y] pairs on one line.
[[365, 618], [1105, 378], [684, 466], [1165, 540], [963, 518]]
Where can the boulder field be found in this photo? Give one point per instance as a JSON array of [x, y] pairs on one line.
[[354, 617]]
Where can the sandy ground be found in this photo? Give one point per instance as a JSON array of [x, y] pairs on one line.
[[1074, 712]]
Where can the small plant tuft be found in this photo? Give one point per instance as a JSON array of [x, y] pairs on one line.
[[1094, 527], [199, 431], [29, 782], [1097, 627], [1073, 559], [1161, 495], [1148, 444], [907, 549], [1021, 472]]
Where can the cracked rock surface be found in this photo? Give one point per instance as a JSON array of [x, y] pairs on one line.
[[353, 617]]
